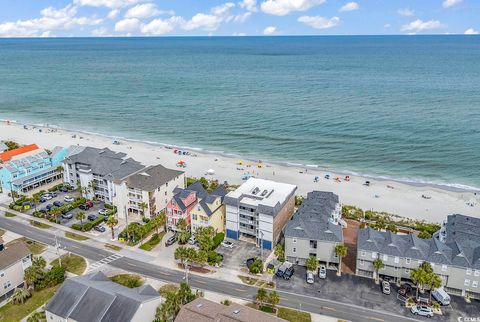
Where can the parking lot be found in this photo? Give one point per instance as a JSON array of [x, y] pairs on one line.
[[364, 292], [235, 257]]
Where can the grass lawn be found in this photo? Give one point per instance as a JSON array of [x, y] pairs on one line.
[[13, 313], [34, 246], [293, 315], [167, 288], [9, 214], [75, 236], [39, 224], [153, 241], [128, 280], [114, 247], [72, 263], [255, 281]]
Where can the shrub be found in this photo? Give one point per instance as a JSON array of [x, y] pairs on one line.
[[89, 225], [55, 276], [226, 302], [256, 267], [128, 280], [424, 235], [55, 188], [217, 239], [108, 206], [152, 242], [213, 258]]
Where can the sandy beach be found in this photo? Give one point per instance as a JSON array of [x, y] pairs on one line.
[[390, 196]]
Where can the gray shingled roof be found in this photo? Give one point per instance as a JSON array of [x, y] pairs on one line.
[[311, 220], [105, 162], [461, 247], [180, 193], [220, 192], [12, 253], [152, 177], [93, 297]]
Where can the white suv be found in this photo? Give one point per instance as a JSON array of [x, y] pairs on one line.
[[422, 310]]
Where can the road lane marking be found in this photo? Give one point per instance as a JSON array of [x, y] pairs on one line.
[[239, 290], [328, 308], [376, 319], [201, 282]]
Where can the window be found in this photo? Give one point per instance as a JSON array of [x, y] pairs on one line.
[[397, 259], [407, 270], [165, 193], [363, 253], [476, 272], [467, 282], [362, 262], [395, 268], [294, 250], [2, 274], [444, 268], [474, 283], [407, 260], [469, 271], [374, 255], [194, 217], [385, 257], [294, 240]]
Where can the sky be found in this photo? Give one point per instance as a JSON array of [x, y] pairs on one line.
[[96, 18]]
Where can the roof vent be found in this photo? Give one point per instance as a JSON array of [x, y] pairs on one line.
[[236, 312], [264, 192], [255, 191]]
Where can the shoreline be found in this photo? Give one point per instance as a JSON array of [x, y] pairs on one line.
[[384, 194], [418, 183]]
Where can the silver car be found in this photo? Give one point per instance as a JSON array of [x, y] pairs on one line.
[[310, 278], [322, 272], [385, 287], [422, 310]]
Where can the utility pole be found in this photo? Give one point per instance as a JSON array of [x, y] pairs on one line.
[[126, 221], [186, 271], [12, 193], [57, 248]]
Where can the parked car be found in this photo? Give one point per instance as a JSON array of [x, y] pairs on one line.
[[282, 268], [288, 273], [99, 228], [43, 211], [192, 240], [171, 241], [322, 272], [385, 287], [49, 206], [227, 244], [249, 262], [63, 189], [58, 203], [441, 296], [67, 216], [89, 204], [53, 194], [68, 199], [404, 289], [83, 207], [42, 200], [103, 212], [422, 310], [92, 217], [310, 278], [47, 196]]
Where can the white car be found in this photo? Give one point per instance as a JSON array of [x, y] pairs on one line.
[[68, 199], [310, 278], [47, 196], [103, 212], [422, 310], [322, 272], [227, 244], [385, 287]]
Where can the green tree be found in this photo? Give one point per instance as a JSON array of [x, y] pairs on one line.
[[20, 295], [184, 254], [377, 265], [312, 263], [341, 251], [392, 228], [262, 296], [162, 218], [181, 224], [143, 206], [111, 223], [273, 299], [200, 258], [38, 316], [168, 310], [80, 216], [420, 276], [36, 200], [256, 267], [280, 252], [35, 272], [424, 234], [433, 281], [204, 237]]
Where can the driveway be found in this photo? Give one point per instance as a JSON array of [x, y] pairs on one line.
[[364, 292], [233, 258]]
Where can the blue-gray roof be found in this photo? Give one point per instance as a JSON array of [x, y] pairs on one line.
[[180, 194]]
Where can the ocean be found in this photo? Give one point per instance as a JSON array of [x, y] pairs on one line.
[[401, 107]]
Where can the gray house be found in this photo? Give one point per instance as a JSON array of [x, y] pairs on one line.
[[314, 230], [94, 297], [454, 253]]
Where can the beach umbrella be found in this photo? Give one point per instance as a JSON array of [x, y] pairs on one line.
[[210, 171]]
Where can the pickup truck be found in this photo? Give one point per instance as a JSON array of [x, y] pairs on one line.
[[283, 268]]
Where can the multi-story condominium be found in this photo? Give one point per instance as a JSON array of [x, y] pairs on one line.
[[148, 191], [182, 203], [258, 210], [314, 230], [454, 253], [14, 260], [94, 297], [210, 211], [29, 167]]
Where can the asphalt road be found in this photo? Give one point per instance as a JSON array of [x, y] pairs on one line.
[[310, 304]]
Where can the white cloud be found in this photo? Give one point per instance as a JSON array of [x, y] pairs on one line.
[[242, 17], [269, 30], [203, 21], [387, 25], [239, 34], [250, 5], [222, 9], [284, 7], [471, 31], [160, 26], [145, 10], [101, 32], [51, 19], [406, 12], [113, 14], [351, 6], [450, 3], [420, 25], [127, 25], [112, 4], [319, 22]]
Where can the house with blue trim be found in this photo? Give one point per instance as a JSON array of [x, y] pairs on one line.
[[258, 210]]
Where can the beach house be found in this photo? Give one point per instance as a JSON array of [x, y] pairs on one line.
[[314, 230], [210, 211], [453, 252], [148, 191], [29, 167], [14, 260], [258, 210], [182, 203]]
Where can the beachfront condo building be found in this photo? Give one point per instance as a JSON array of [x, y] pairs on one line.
[[15, 258], [315, 230], [453, 251], [210, 211], [183, 202], [29, 167], [258, 210], [148, 191]]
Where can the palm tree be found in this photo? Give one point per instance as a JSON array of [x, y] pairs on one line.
[[312, 264], [433, 281], [38, 316], [261, 296], [341, 251], [162, 219], [182, 254], [80, 216], [200, 258], [181, 224], [419, 276], [20, 295], [273, 299], [377, 265], [36, 200], [143, 206], [111, 223]]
